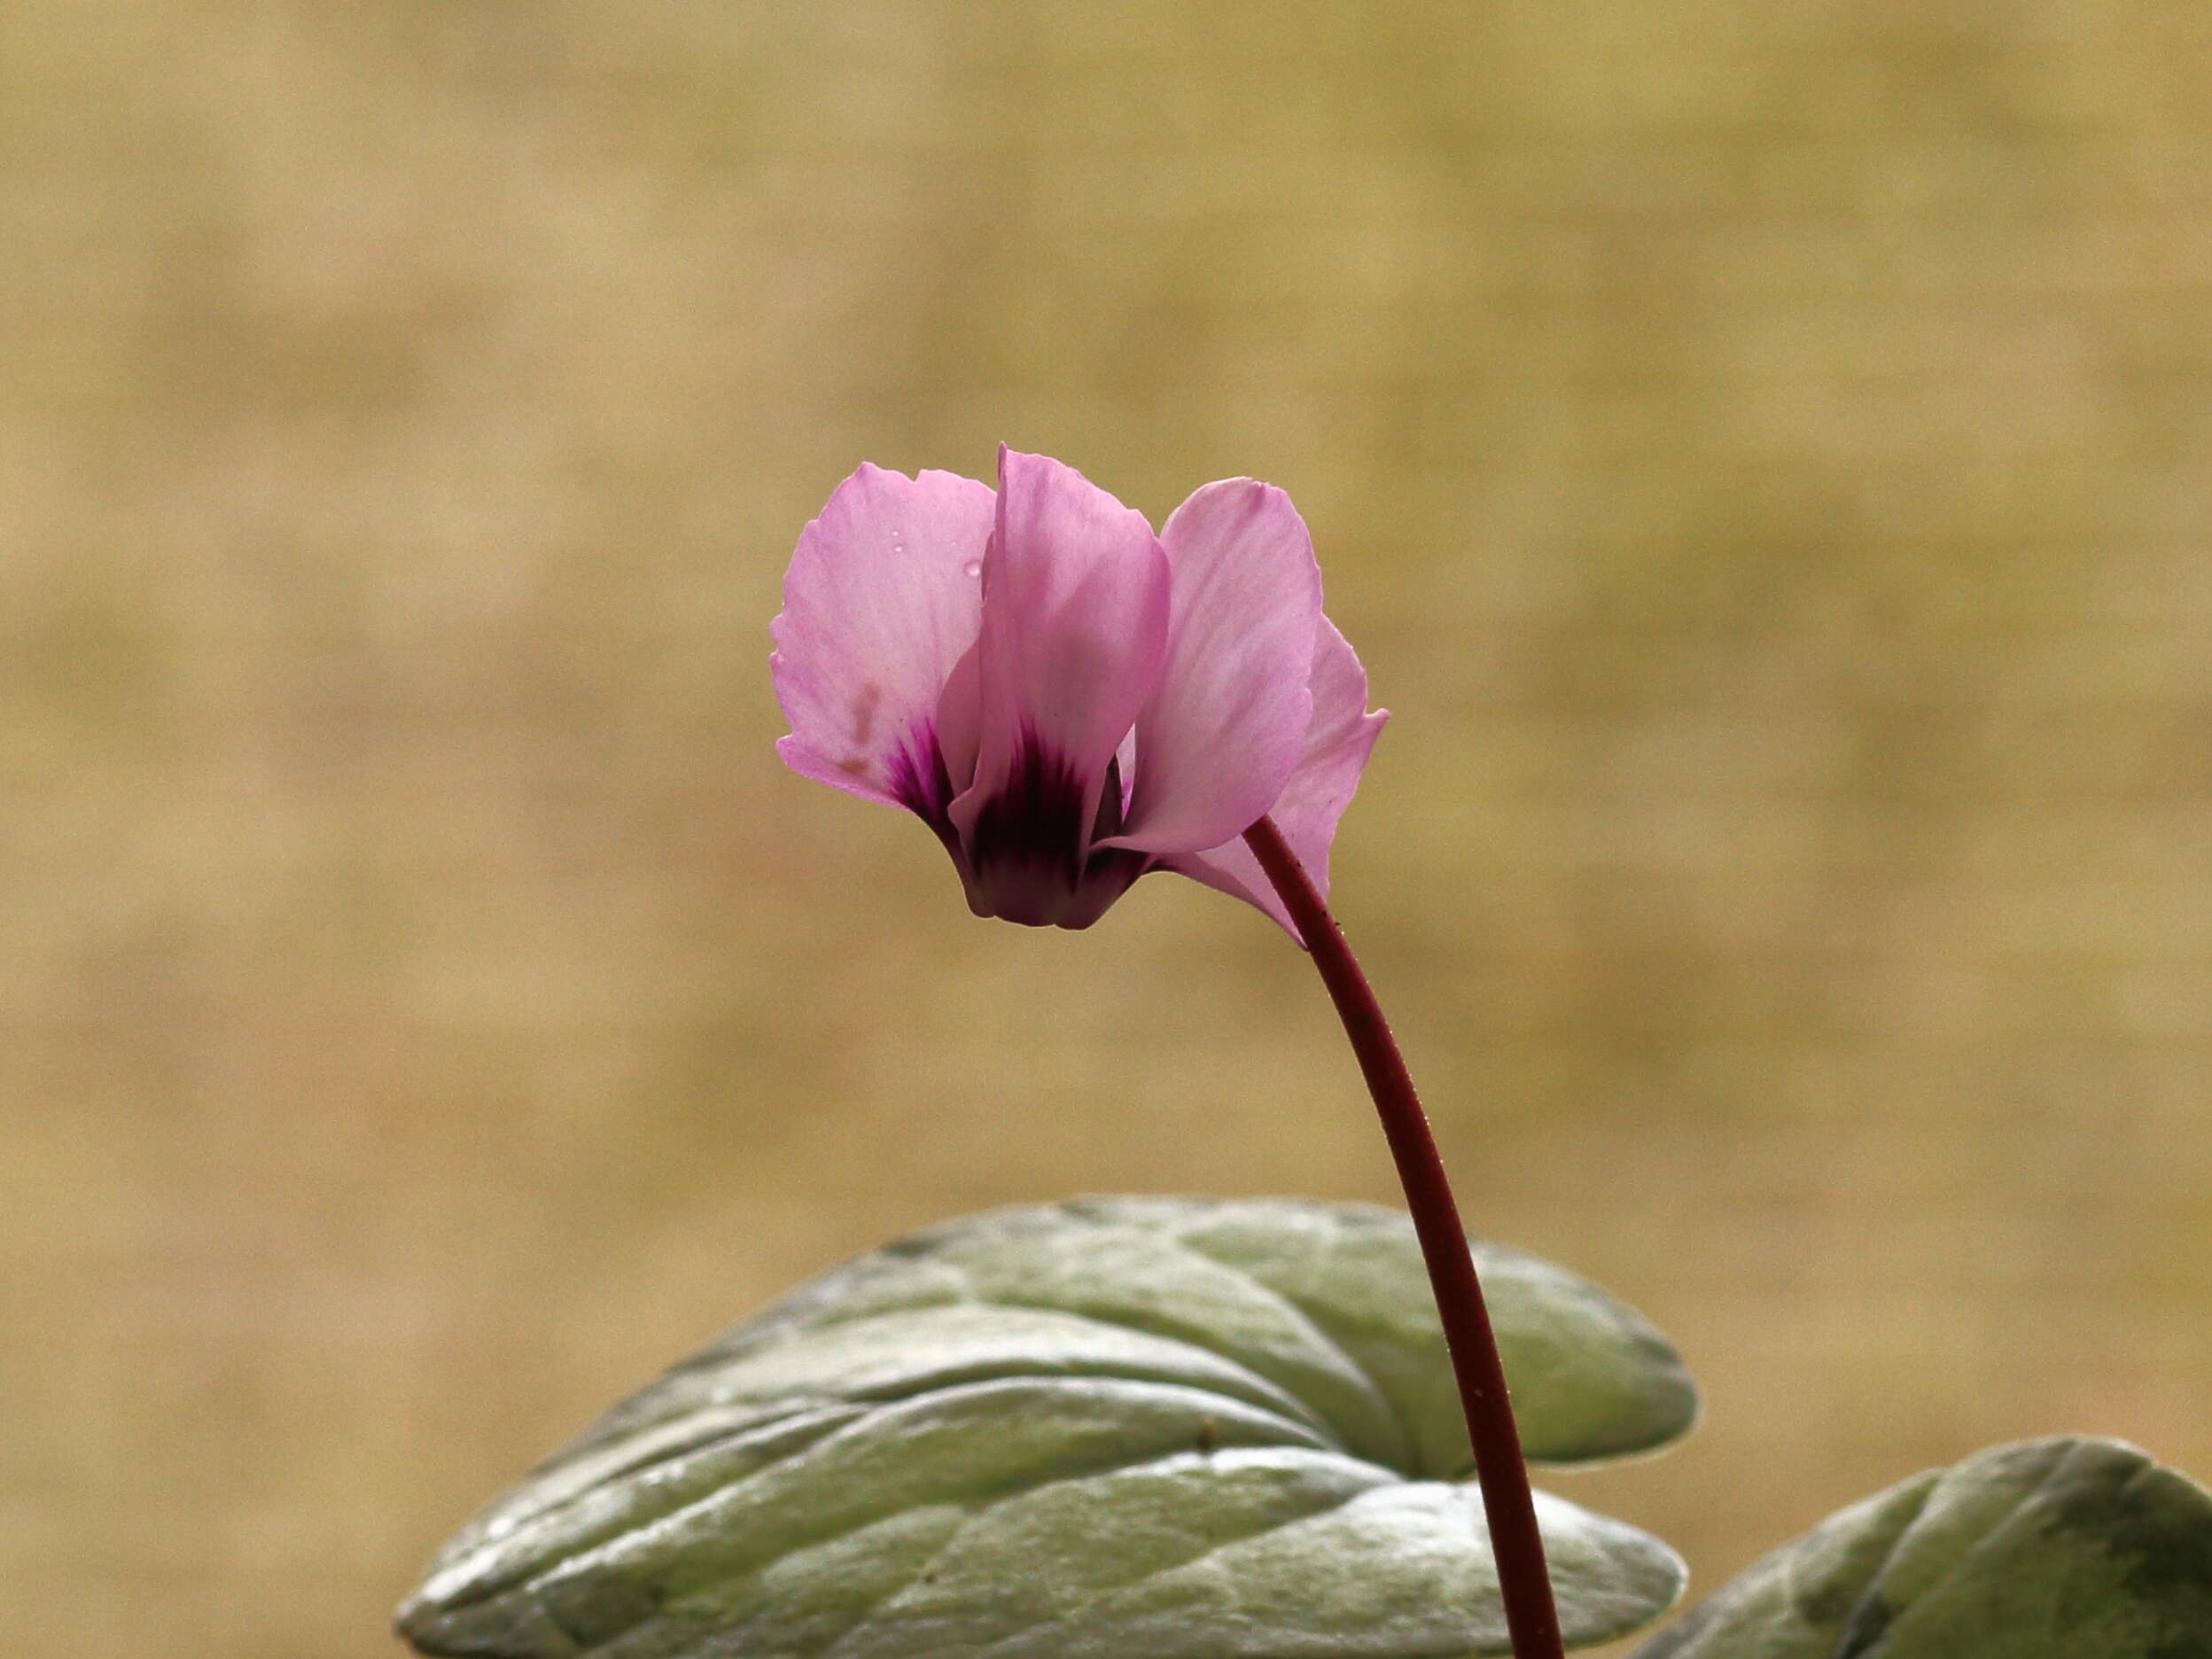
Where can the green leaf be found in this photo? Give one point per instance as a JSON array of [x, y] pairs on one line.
[[2066, 1548], [1126, 1428]]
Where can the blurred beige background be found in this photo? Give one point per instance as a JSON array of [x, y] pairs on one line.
[[1763, 454]]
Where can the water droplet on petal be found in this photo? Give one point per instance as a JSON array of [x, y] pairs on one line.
[[973, 567]]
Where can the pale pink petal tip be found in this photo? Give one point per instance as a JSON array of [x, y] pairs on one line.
[[1227, 719], [1321, 787], [881, 599]]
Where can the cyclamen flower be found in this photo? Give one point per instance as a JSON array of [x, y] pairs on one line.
[[1068, 700]]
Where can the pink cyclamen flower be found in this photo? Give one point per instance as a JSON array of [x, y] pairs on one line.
[[1068, 700]]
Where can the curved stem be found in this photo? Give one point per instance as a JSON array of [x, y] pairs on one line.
[[1503, 1474]]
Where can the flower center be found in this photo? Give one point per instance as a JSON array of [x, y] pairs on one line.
[[1029, 855]]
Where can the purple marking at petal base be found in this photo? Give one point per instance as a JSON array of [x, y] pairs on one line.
[[918, 779], [915, 773]]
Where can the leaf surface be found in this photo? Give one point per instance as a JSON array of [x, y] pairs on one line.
[[2064, 1548], [1132, 1428]]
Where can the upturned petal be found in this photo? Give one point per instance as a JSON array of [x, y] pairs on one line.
[[882, 602], [1320, 786], [1228, 718], [1074, 626]]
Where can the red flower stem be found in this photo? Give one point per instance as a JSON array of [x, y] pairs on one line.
[[1500, 1468]]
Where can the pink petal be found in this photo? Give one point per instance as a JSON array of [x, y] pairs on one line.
[[881, 601], [1228, 718], [1075, 597], [1321, 787]]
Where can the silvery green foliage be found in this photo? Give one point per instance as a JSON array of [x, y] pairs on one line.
[[1118, 1428], [2050, 1549]]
